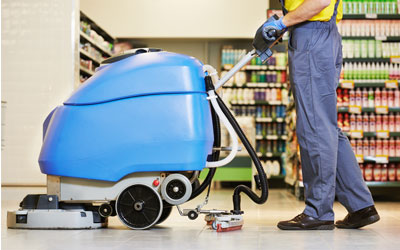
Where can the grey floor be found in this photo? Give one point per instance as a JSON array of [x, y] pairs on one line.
[[259, 231]]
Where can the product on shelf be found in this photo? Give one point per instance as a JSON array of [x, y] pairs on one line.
[[368, 98], [270, 146], [92, 51], [85, 28], [362, 48], [87, 64], [370, 7], [231, 57], [369, 122], [370, 72], [369, 28], [278, 111], [376, 147], [249, 95], [264, 129], [82, 78], [272, 168], [380, 172]]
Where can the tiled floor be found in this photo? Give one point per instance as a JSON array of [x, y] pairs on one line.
[[259, 231]]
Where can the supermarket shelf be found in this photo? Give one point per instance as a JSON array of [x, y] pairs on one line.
[[97, 45], [252, 103], [362, 84], [373, 134], [269, 155], [96, 27], [380, 160], [264, 67], [271, 137], [257, 85], [87, 71], [346, 109], [269, 119], [87, 55], [383, 60], [381, 38], [371, 16], [281, 176], [256, 67], [383, 184]]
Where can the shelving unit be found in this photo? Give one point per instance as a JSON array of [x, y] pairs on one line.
[[95, 45], [371, 16], [261, 120]]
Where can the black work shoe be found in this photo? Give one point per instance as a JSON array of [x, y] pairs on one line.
[[305, 222], [359, 218]]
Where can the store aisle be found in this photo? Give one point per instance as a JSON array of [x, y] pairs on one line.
[[259, 232]]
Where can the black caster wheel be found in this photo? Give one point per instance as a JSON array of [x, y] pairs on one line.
[[193, 215], [106, 210], [165, 214], [139, 207]]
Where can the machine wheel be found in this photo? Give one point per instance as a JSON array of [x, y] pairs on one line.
[[105, 210], [193, 215], [139, 207], [176, 189], [165, 214], [214, 225]]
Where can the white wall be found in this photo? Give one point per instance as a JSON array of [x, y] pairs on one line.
[[178, 18], [38, 65]]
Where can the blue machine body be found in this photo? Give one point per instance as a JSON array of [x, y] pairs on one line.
[[148, 112]]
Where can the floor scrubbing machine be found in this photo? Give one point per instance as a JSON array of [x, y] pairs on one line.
[[132, 141]]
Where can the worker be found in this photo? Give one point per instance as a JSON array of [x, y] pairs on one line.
[[328, 163]]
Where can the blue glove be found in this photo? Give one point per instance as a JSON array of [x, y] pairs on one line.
[[273, 29], [278, 24]]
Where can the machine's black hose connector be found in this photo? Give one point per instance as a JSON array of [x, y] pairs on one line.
[[253, 155], [209, 83]]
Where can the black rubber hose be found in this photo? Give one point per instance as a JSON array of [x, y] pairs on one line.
[[214, 156], [253, 155]]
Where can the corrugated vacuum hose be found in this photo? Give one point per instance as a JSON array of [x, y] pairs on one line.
[[260, 178]]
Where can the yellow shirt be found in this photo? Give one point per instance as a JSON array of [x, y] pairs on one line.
[[324, 15]]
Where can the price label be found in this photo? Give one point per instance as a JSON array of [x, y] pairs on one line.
[[347, 84], [371, 16], [228, 66], [395, 59], [382, 109], [355, 109], [382, 159], [272, 137], [381, 38], [360, 158], [356, 134], [382, 134], [264, 119], [391, 84]]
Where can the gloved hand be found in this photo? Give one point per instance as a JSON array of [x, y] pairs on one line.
[[273, 29]]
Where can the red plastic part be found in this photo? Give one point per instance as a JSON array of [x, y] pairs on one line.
[[220, 229], [156, 182]]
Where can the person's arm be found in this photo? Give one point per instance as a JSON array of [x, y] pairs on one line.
[[305, 11]]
